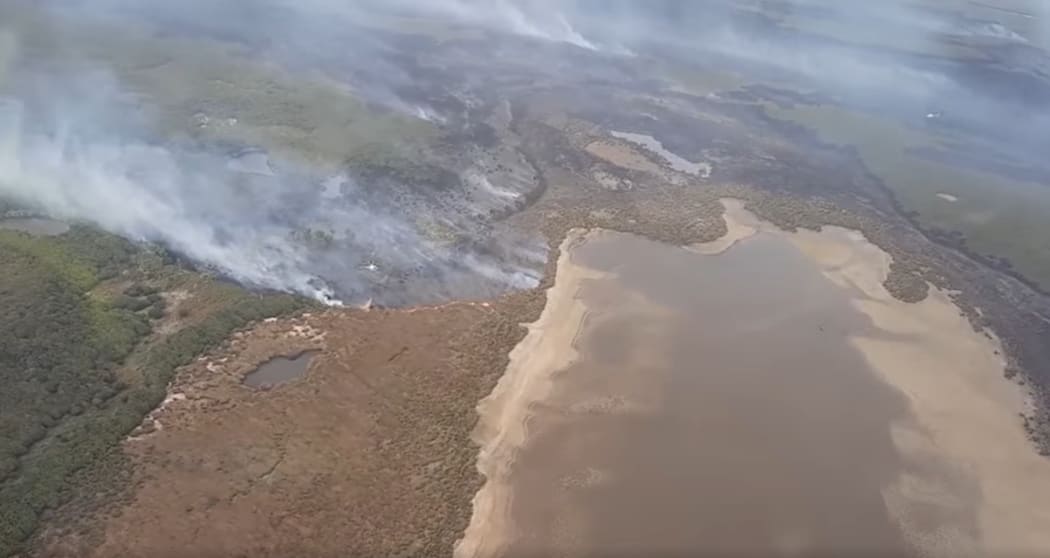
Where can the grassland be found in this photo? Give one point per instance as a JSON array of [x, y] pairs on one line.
[[437, 29], [996, 216], [216, 91], [87, 342], [83, 359], [695, 81], [921, 27]]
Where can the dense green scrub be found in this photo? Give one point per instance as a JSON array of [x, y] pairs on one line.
[[79, 368]]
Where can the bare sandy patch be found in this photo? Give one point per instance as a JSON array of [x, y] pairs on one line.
[[548, 347], [740, 224], [512, 416], [676, 162], [967, 481], [965, 413], [622, 156], [611, 182]]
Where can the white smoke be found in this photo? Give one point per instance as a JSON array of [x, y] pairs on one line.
[[539, 19], [75, 163], [144, 192]]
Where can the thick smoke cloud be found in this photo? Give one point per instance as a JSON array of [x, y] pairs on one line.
[[78, 146], [146, 192], [243, 215], [70, 146], [238, 216]]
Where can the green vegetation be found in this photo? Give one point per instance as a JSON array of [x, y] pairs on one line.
[[887, 36], [376, 163], [51, 333], [79, 366], [901, 26], [219, 92], [995, 217], [701, 81], [435, 28]]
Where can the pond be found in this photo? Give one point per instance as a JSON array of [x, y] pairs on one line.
[[280, 370], [676, 161]]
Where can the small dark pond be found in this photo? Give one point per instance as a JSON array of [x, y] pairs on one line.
[[280, 370]]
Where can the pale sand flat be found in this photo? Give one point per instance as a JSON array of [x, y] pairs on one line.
[[963, 413], [548, 347], [966, 413], [740, 225], [622, 156]]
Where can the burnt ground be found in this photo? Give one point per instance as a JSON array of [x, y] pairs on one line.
[[370, 454]]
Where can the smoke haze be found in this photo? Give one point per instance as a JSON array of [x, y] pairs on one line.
[[84, 137]]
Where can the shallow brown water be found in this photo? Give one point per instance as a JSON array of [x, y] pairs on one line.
[[279, 370], [677, 162], [717, 407]]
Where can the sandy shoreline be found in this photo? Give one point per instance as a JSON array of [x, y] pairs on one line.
[[740, 225], [965, 413], [963, 441], [549, 346]]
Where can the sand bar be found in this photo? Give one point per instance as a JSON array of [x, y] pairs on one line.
[[849, 420], [548, 347]]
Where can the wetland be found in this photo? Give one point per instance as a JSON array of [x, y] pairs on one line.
[[757, 396]]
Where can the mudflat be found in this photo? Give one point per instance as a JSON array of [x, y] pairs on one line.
[[762, 394]]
